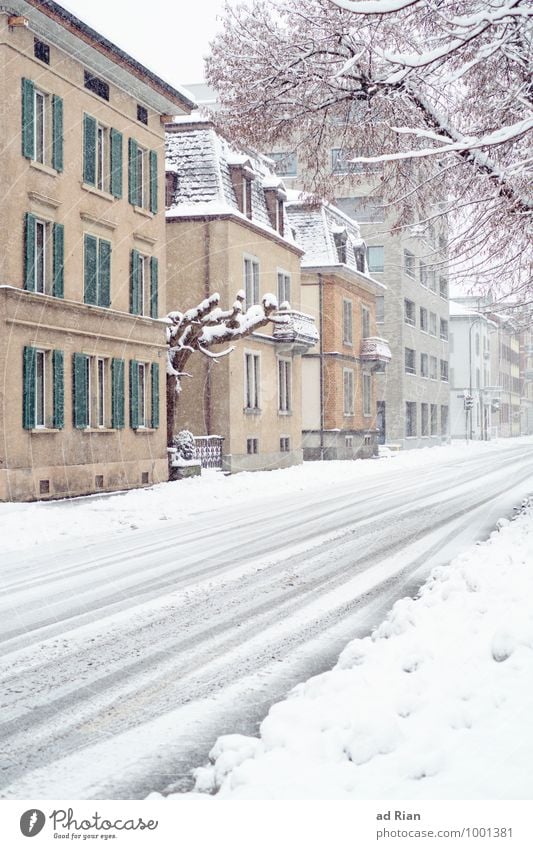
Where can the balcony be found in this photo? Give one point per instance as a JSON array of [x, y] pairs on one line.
[[375, 350], [294, 331]]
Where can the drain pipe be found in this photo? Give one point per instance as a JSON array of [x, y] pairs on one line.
[[207, 275], [321, 357]]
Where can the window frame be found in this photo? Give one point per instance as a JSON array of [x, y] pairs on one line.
[[284, 385], [252, 382], [371, 269], [347, 322], [253, 283], [409, 360], [348, 385], [408, 319], [284, 286], [367, 394], [409, 263], [411, 419]]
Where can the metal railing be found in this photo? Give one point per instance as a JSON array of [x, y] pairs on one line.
[[208, 450]]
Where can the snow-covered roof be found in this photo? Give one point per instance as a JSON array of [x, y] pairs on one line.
[[203, 160], [315, 228]]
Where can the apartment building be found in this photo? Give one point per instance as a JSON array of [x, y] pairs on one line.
[[227, 231], [82, 259], [339, 372], [473, 398], [412, 397]]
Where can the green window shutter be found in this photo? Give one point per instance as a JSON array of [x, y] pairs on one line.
[[117, 393], [28, 118], [58, 235], [154, 285], [28, 388], [57, 133], [135, 287], [155, 394], [104, 272], [116, 163], [58, 376], [153, 181], [89, 150], [134, 394], [132, 172], [29, 252], [90, 269], [79, 390]]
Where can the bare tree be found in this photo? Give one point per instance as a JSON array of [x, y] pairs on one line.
[[436, 93], [205, 327]]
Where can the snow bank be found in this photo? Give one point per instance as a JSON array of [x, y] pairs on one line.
[[436, 704], [50, 524]]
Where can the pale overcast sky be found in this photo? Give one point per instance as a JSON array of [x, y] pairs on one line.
[[170, 38]]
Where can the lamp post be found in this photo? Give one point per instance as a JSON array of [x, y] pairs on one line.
[[469, 411]]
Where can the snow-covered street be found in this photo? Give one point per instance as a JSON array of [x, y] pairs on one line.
[[137, 628]]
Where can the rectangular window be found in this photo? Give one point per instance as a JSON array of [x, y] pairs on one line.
[[41, 51], [347, 322], [43, 256], [367, 395], [284, 287], [365, 323], [144, 284], [97, 271], [424, 320], [102, 156], [141, 399], [376, 258], [251, 377], [101, 386], [42, 126], [142, 176], [433, 419], [432, 280], [424, 419], [444, 420], [410, 418], [40, 389], [285, 163], [247, 196], [380, 309], [423, 271], [284, 386], [433, 368], [443, 288], [42, 273], [144, 395], [409, 312], [43, 389], [424, 365], [444, 330], [251, 281], [96, 85], [142, 114], [409, 263], [410, 361], [102, 144], [252, 445], [444, 370], [348, 380], [432, 324], [284, 443]]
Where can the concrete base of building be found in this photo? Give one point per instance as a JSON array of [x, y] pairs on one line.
[[422, 442], [339, 444], [48, 483], [233, 463]]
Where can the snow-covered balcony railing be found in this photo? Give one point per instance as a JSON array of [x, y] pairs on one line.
[[295, 329], [375, 350]]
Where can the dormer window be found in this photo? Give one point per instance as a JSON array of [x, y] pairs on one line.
[[340, 239], [275, 198], [171, 187], [242, 177], [246, 196]]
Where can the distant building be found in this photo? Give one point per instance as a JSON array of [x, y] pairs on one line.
[[338, 379], [227, 230], [82, 259]]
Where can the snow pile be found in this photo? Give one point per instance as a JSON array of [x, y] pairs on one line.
[[437, 704]]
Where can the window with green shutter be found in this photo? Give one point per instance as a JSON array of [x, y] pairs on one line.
[[89, 150], [135, 283], [133, 188], [80, 390], [28, 387], [58, 378], [116, 163], [58, 275], [134, 394], [57, 133], [29, 252], [153, 181], [117, 393], [27, 118], [97, 271], [154, 286], [155, 395]]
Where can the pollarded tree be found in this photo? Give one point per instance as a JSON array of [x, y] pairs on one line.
[[438, 92], [205, 327]]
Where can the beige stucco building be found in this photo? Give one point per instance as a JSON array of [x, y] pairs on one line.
[[339, 372], [227, 231], [82, 259]]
